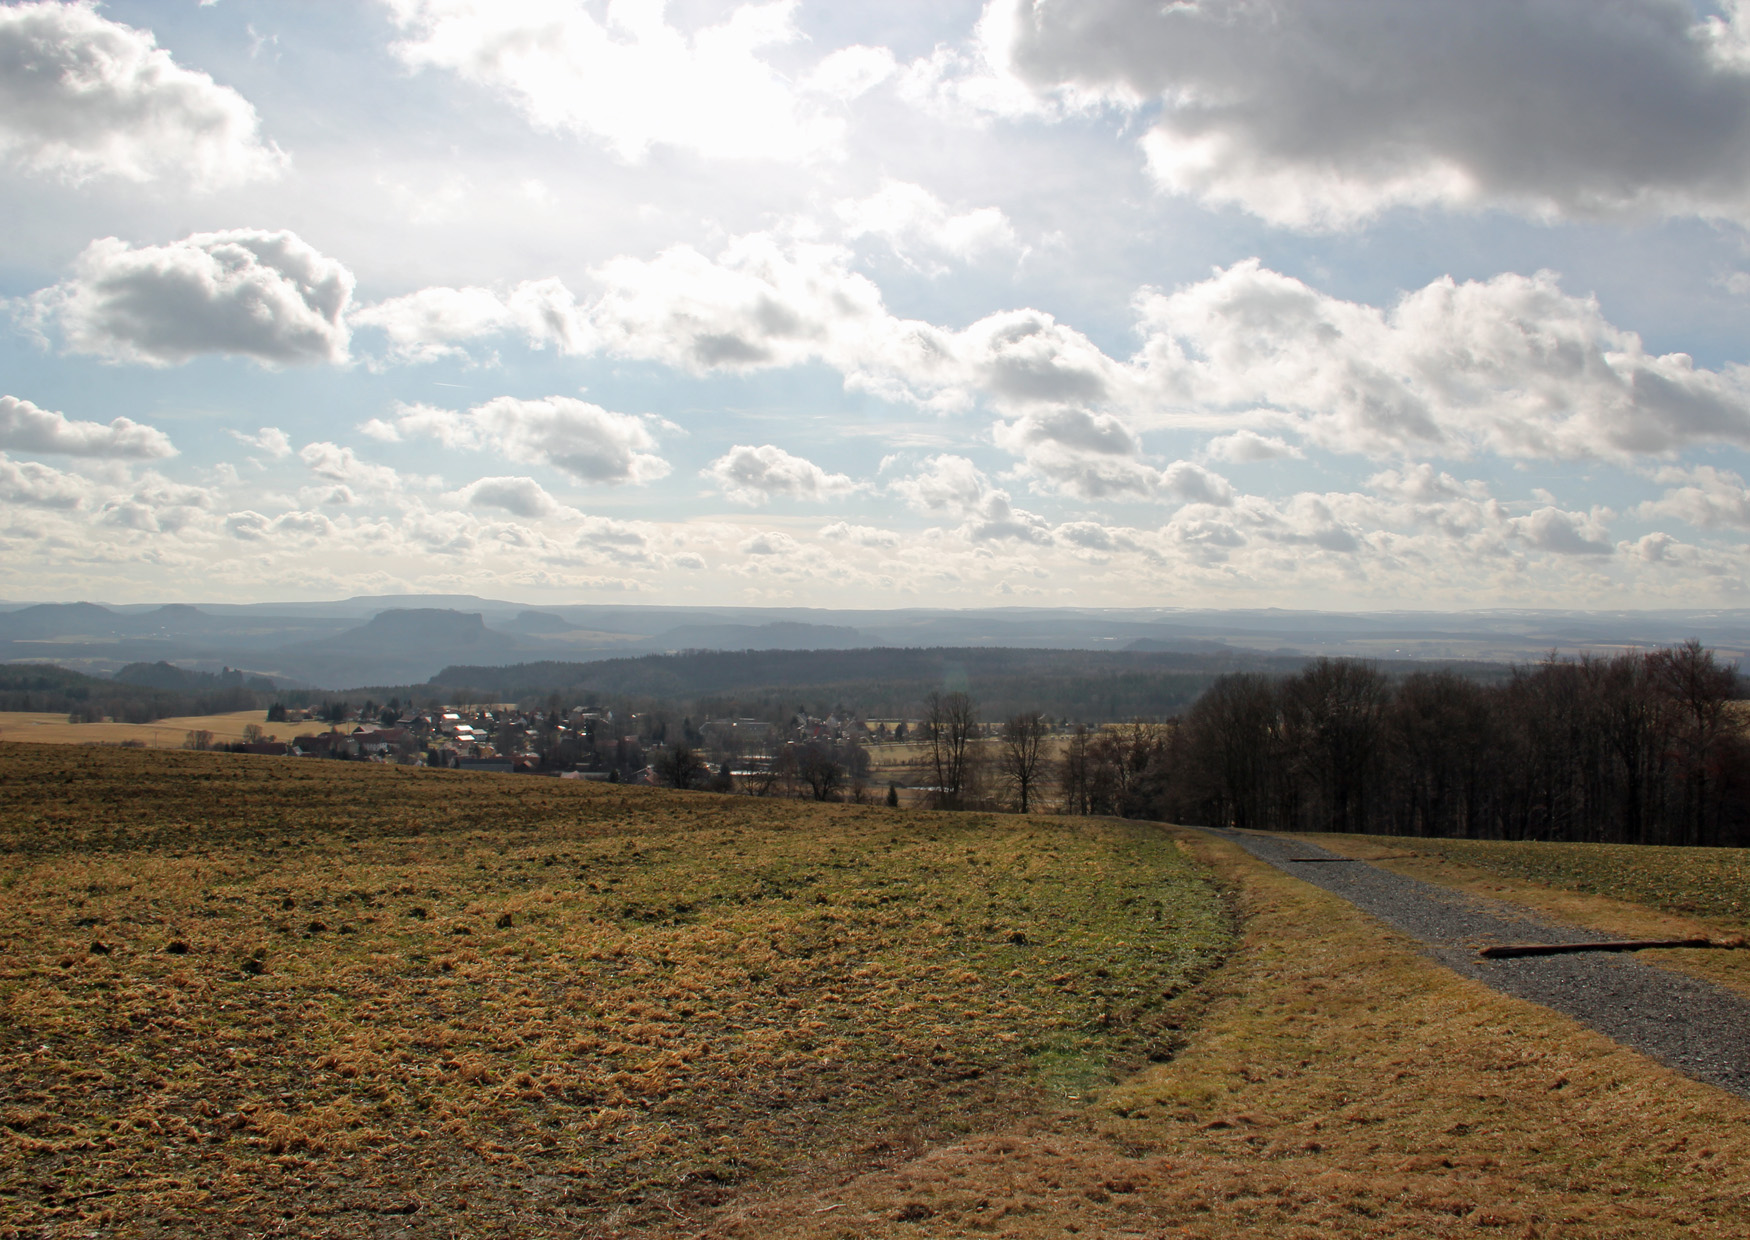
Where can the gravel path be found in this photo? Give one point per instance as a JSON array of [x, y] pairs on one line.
[[1694, 1026]]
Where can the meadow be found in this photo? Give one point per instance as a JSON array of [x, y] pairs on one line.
[[53, 729], [247, 996], [248, 993]]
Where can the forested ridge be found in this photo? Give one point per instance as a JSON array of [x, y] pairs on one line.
[[139, 693]]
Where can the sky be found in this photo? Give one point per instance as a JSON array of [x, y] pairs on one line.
[[1330, 304]]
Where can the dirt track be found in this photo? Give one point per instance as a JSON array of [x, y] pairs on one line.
[[1688, 1024]]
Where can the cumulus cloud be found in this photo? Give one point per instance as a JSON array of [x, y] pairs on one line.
[[917, 224], [269, 440], [333, 463], [83, 97], [251, 526], [263, 295], [1564, 533], [1079, 453], [1325, 112], [588, 442], [35, 485], [946, 483], [1705, 497], [1249, 447], [523, 497], [155, 505], [861, 535], [766, 302], [1512, 365], [1423, 484], [631, 79], [955, 486], [759, 304], [434, 323], [770, 543], [750, 475], [26, 428]]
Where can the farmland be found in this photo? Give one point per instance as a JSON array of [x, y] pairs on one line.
[[236, 987], [53, 729], [254, 995]]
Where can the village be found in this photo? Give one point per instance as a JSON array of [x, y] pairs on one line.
[[828, 755]]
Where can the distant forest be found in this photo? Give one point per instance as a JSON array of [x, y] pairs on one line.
[[139, 693], [1090, 686]]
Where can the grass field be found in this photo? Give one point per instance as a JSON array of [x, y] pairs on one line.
[[1337, 1084], [41, 729], [1638, 892], [255, 996], [237, 989], [1709, 883]]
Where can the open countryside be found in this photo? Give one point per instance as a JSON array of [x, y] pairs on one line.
[[246, 993]]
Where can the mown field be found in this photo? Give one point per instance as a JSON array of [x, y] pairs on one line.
[[53, 729], [242, 995]]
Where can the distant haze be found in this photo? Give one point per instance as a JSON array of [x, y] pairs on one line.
[[408, 639]]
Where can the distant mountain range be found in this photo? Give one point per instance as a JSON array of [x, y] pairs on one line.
[[406, 639]]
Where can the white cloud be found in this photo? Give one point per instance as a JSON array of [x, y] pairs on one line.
[[1325, 112], [955, 486], [770, 543], [946, 483], [1512, 365], [1079, 453], [334, 463], [631, 79], [588, 442], [251, 526], [263, 295], [523, 497], [1249, 447], [82, 97], [1564, 533], [1707, 498], [915, 222], [26, 428], [434, 323], [750, 475], [1190, 482], [759, 304], [1423, 484], [38, 486], [269, 440], [861, 535], [851, 72]]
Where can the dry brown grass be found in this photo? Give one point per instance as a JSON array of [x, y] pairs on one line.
[[1340, 1085], [42, 729], [676, 1036], [247, 994], [1667, 880]]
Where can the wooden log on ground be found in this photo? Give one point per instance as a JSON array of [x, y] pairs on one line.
[[1620, 945]]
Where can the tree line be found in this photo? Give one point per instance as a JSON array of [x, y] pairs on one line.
[[1638, 748]]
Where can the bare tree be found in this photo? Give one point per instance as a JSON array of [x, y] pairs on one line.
[[1698, 688], [950, 722], [819, 773], [1021, 755], [680, 766], [1072, 773]]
